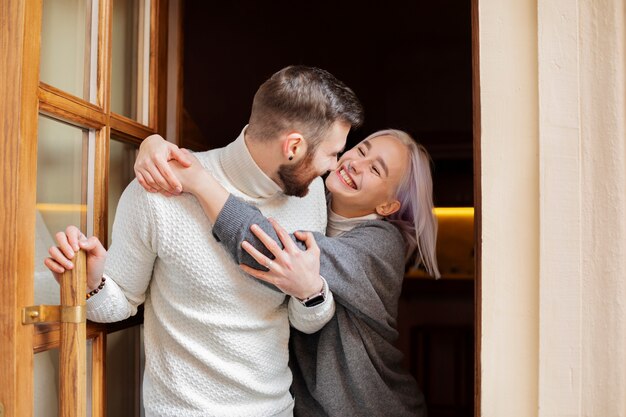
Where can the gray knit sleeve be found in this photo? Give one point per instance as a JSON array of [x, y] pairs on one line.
[[232, 227], [364, 268]]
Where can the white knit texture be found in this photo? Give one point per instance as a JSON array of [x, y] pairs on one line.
[[216, 340]]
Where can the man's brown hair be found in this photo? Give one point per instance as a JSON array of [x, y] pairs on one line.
[[302, 98]]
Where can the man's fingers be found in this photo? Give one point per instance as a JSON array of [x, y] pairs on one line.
[[64, 245], [59, 257], [284, 237], [267, 241], [53, 265], [256, 273], [258, 256], [93, 246], [73, 234], [308, 239]]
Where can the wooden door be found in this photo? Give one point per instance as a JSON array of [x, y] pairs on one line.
[[81, 83]]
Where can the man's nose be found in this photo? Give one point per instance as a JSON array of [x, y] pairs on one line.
[[333, 164]]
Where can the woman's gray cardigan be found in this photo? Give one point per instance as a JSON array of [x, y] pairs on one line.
[[350, 367]]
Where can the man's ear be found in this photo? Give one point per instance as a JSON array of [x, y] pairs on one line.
[[294, 146], [388, 208]]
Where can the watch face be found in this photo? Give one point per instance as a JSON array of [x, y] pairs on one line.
[[319, 299]]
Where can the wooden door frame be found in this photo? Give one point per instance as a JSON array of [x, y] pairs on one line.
[[24, 98], [18, 125], [476, 127]]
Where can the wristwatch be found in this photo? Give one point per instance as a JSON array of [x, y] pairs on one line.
[[317, 298]]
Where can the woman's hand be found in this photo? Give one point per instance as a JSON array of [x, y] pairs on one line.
[[191, 178], [151, 167], [293, 271], [70, 242]]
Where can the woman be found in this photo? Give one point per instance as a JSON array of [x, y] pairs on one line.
[[380, 210]]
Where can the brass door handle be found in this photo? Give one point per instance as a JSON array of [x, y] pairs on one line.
[[53, 314]]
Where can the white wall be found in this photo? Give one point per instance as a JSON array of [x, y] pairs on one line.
[[553, 153], [510, 207]]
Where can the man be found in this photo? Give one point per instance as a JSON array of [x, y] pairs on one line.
[[216, 340]]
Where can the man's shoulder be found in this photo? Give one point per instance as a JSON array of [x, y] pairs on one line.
[[210, 158], [135, 190], [138, 199]]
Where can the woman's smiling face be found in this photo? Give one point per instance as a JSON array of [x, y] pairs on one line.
[[368, 176]]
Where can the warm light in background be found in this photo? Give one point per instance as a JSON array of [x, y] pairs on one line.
[[45, 207], [454, 211], [455, 243]]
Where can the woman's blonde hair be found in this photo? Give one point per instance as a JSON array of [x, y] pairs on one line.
[[415, 218]]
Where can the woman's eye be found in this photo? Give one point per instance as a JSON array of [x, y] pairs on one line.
[[376, 171], [361, 151]]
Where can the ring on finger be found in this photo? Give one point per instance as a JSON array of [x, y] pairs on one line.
[[268, 265]]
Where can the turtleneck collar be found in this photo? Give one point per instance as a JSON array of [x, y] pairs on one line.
[[338, 225], [244, 173]]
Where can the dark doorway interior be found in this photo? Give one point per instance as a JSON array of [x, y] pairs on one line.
[[410, 64]]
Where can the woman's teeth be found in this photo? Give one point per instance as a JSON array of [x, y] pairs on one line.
[[347, 178]]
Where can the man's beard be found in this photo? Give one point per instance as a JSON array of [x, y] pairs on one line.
[[297, 177]]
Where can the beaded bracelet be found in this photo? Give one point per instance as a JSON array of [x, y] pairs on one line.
[[97, 290]]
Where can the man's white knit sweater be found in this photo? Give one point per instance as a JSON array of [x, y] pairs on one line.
[[216, 339]]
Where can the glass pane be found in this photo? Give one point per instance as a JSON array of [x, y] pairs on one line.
[[131, 59], [62, 183], [89, 376], [121, 160], [124, 370], [46, 386], [68, 60]]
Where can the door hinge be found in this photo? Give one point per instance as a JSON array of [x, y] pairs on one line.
[[53, 314]]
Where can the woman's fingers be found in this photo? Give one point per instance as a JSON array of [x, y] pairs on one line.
[[182, 156], [160, 182], [143, 182], [152, 185], [258, 256], [173, 185]]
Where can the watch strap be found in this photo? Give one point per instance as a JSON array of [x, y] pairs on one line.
[[317, 298]]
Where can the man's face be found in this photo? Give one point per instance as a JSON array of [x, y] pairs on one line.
[[296, 178], [325, 158]]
